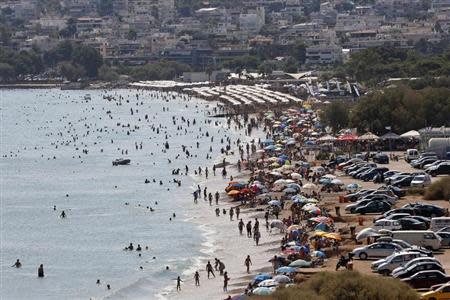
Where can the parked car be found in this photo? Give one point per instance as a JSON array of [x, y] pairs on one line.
[[381, 158], [445, 236], [425, 279], [403, 181], [445, 229], [441, 293], [387, 224], [387, 265], [411, 154], [422, 238], [373, 207], [404, 211], [441, 169], [394, 177], [355, 196], [426, 210], [424, 266], [412, 224], [419, 162], [375, 250], [423, 219], [406, 247], [414, 262], [421, 181]]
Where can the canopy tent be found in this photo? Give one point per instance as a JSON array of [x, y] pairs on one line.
[[369, 136], [411, 134], [390, 136]]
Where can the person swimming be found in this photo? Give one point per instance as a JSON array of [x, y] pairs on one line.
[[17, 264]]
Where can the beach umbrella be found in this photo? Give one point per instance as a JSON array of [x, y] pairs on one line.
[[240, 297], [295, 186], [294, 227], [261, 277], [277, 224], [290, 191], [274, 203], [322, 219], [353, 186], [268, 141], [329, 176], [324, 181], [276, 174], [282, 279], [337, 182], [320, 254], [321, 227], [286, 270], [310, 186], [280, 182], [296, 176], [333, 236], [300, 263], [233, 193], [268, 283], [270, 148], [365, 233], [262, 291]]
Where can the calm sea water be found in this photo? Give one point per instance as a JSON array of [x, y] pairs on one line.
[[44, 164]]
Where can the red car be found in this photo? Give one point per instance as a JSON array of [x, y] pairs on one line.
[[425, 279]]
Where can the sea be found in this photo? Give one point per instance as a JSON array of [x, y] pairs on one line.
[[57, 150]]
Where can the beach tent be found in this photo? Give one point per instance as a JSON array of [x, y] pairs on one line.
[[369, 136], [411, 134], [300, 263], [365, 233], [282, 279], [390, 136], [286, 270], [263, 291], [268, 283]]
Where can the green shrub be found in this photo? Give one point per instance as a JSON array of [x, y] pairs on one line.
[[439, 190], [346, 285]]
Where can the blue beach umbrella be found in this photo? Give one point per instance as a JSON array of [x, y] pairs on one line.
[[261, 277], [274, 203], [285, 270]]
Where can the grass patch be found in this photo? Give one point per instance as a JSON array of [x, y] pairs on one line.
[[439, 190], [346, 285]]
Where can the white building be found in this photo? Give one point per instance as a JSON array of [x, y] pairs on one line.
[[326, 54]]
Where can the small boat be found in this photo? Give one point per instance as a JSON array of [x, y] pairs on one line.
[[121, 162]]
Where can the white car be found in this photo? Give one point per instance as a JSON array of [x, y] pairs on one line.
[[387, 265], [387, 224], [376, 250], [421, 181], [412, 262]]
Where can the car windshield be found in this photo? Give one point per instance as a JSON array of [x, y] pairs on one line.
[[420, 177]]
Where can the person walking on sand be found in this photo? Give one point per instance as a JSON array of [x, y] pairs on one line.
[[247, 263], [197, 278], [179, 281], [241, 226], [231, 214], [238, 211], [216, 264], [209, 269], [257, 236], [217, 198], [225, 281], [249, 229]]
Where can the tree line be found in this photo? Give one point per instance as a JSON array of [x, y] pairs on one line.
[[401, 108]]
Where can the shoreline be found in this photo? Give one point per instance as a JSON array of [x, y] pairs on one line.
[[218, 232]]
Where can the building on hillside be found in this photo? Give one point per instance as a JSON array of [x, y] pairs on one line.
[[324, 54]]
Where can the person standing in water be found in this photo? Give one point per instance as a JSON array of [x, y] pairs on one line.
[[179, 281], [41, 271], [17, 264], [63, 214], [225, 281], [209, 269]]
